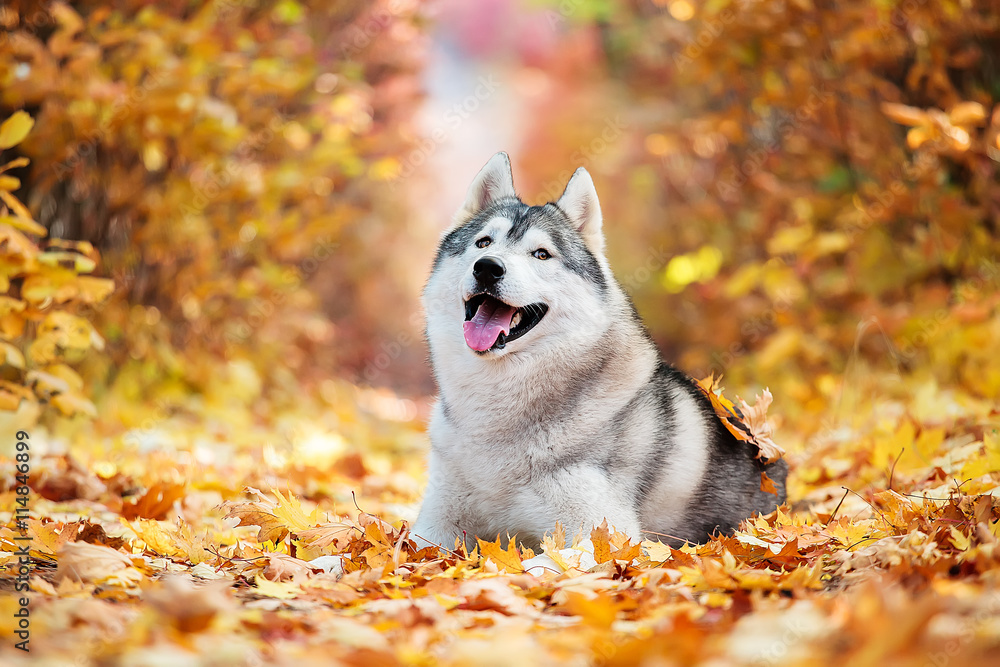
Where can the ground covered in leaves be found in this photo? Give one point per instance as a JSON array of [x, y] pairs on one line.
[[887, 552]]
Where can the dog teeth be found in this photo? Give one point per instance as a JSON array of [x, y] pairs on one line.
[[514, 321]]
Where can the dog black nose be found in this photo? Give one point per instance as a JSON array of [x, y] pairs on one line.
[[488, 270]]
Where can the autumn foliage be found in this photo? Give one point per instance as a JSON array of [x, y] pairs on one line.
[[196, 199], [783, 172], [215, 154], [43, 287]]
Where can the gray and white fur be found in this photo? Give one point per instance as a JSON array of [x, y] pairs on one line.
[[576, 420]]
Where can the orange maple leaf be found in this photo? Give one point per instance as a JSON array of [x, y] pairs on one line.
[[508, 559], [747, 423]]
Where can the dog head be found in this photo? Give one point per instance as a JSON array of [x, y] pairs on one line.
[[511, 279]]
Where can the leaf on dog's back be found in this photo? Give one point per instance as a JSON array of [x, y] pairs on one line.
[[755, 417], [746, 423], [508, 559], [767, 484], [724, 408]]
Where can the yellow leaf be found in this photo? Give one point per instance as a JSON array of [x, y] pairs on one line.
[[156, 538], [282, 590], [78, 262], [988, 462], [94, 290], [72, 404], [509, 559], [15, 205], [326, 534], [24, 224], [67, 374], [601, 538], [14, 164], [628, 552], [69, 331], [15, 129], [9, 401], [10, 355], [851, 534], [597, 611], [657, 551], [10, 305], [290, 510], [918, 136], [960, 539]]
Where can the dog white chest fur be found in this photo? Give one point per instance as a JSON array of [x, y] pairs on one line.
[[554, 405]]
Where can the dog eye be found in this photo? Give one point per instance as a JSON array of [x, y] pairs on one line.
[[483, 242], [541, 253]]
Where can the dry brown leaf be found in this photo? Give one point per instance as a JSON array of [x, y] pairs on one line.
[[755, 417], [338, 535], [767, 484], [89, 562], [282, 567]]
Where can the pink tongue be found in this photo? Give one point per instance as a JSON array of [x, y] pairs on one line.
[[482, 331]]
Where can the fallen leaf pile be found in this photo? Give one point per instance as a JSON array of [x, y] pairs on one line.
[[219, 547]]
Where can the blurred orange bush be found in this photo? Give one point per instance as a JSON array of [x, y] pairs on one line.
[[784, 171], [214, 153]]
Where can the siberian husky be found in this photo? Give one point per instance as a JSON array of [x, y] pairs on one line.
[[554, 404]]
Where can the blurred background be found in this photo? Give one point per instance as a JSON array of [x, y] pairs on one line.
[[231, 207]]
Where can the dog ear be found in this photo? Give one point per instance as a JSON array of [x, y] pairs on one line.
[[579, 202], [494, 182]]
